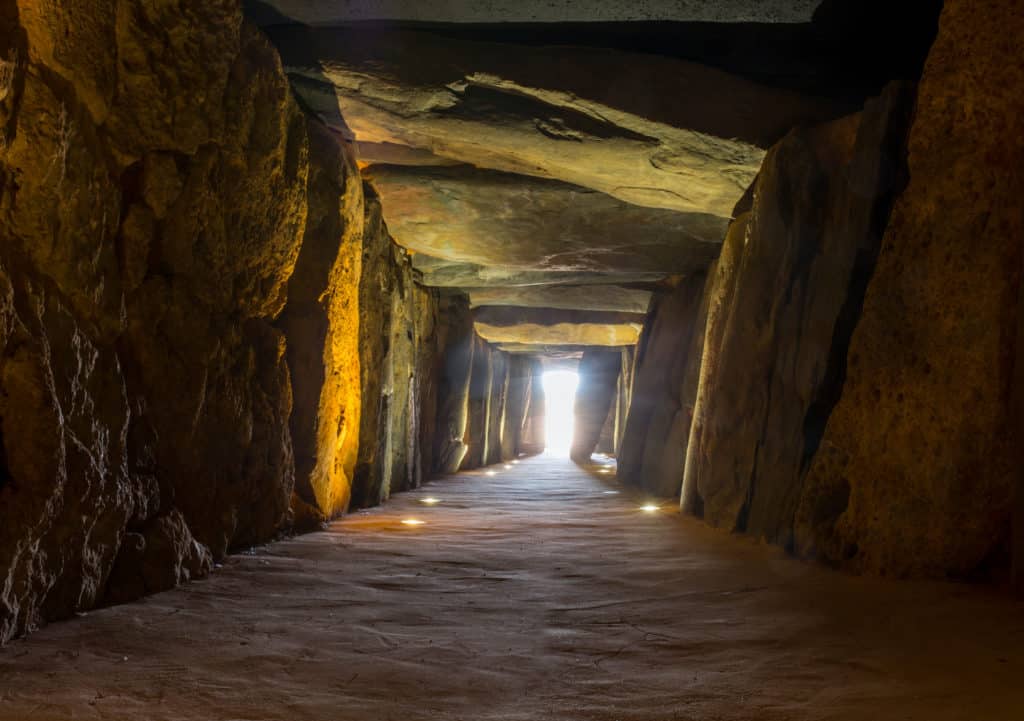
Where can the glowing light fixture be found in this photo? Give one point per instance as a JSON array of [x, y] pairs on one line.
[[430, 501], [605, 470], [649, 508], [412, 522], [492, 473], [516, 461], [508, 467]]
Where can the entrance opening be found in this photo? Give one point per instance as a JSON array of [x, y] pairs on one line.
[[559, 395]]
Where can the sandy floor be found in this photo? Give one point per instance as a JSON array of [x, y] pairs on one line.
[[538, 593]]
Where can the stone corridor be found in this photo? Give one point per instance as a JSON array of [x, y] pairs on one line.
[[533, 591]]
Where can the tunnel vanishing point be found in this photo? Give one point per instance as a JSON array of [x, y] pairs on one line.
[[279, 282]]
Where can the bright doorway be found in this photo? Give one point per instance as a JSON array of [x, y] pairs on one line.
[[559, 396]]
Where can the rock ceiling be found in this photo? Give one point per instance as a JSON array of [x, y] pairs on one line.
[[554, 184]]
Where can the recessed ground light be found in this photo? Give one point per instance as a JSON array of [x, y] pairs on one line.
[[648, 508], [508, 467], [611, 492], [492, 473], [430, 501], [516, 461], [605, 470], [412, 522]]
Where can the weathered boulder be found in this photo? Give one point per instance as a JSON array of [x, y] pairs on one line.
[[657, 431], [785, 300], [917, 465], [598, 380]]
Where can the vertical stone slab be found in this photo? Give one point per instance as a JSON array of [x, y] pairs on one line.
[[534, 427], [320, 322], [456, 326], [515, 411], [598, 374], [915, 473], [479, 405], [657, 432], [498, 402]]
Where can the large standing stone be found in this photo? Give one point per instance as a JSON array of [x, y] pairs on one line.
[[154, 210], [777, 339], [453, 391], [480, 384], [917, 465], [598, 381], [657, 430], [320, 322]]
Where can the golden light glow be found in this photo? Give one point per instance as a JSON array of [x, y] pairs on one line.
[[412, 522], [430, 501], [492, 473], [649, 508], [605, 470], [516, 461], [508, 467]]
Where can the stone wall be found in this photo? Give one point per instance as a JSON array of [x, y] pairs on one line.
[[154, 191], [787, 294], [917, 464], [204, 327], [657, 429], [858, 394]]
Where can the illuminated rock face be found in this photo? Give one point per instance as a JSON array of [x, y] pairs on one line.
[[919, 458], [321, 324], [505, 165], [155, 208], [187, 294]]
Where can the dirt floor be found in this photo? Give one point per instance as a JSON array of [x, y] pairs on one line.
[[539, 592]]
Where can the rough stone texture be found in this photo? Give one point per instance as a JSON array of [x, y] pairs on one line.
[[510, 163], [565, 113], [598, 381], [915, 471], [776, 344], [480, 385], [153, 172], [612, 298], [457, 274], [453, 387], [510, 324], [321, 324], [498, 405], [519, 368], [657, 431], [389, 339], [533, 427], [473, 215]]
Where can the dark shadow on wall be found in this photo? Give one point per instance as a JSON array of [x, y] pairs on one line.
[[850, 49]]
